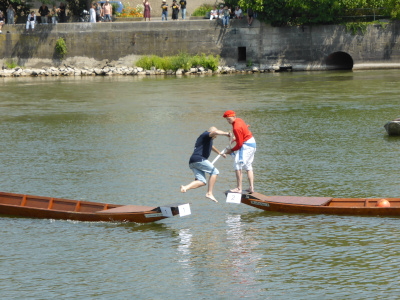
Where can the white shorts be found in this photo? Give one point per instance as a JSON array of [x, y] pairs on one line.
[[245, 156]]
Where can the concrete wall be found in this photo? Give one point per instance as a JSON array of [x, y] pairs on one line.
[[300, 47]]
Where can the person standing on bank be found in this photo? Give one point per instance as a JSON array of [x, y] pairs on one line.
[[98, 12], [175, 10], [92, 13], [147, 10], [164, 7], [62, 16], [44, 13], [245, 147], [54, 15], [183, 8], [107, 11], [200, 165], [1, 20], [10, 14]]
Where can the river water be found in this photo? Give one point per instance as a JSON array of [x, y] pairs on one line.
[[127, 140]]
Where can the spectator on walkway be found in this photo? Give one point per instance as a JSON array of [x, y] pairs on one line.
[[107, 11], [250, 16], [98, 12], [231, 12], [10, 14], [214, 13], [147, 10], [44, 13], [92, 14], [238, 13], [31, 21], [164, 7], [175, 10], [54, 15], [225, 17], [62, 17], [1, 20], [183, 9], [221, 11]]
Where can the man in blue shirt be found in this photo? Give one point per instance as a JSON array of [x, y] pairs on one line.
[[200, 165]]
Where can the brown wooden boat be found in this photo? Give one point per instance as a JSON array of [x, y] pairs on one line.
[[56, 208], [322, 205]]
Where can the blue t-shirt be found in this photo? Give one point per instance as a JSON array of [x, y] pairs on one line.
[[202, 148]]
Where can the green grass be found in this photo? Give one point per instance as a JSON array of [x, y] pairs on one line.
[[181, 61], [11, 64]]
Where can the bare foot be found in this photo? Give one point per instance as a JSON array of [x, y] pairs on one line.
[[183, 190], [236, 190], [250, 190], [211, 197]]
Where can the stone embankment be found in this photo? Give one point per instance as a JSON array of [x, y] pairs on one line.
[[111, 71]]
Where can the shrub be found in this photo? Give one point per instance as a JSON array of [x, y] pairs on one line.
[[61, 48], [128, 12], [144, 62], [114, 6], [202, 10], [196, 61], [211, 62], [182, 61]]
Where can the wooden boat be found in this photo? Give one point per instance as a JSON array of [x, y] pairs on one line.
[[321, 205], [56, 208], [393, 127]]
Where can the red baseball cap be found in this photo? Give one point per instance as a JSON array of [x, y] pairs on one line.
[[229, 113]]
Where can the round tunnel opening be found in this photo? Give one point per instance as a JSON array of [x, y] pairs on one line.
[[339, 61]]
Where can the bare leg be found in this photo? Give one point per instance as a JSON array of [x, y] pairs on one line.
[[193, 185], [238, 182], [250, 175], [211, 183]]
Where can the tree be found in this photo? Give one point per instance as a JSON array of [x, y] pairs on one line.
[[22, 8]]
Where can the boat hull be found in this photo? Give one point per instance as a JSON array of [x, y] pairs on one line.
[[334, 206], [28, 206]]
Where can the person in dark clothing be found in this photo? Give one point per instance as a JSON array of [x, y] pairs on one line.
[[250, 16], [44, 12], [200, 165], [175, 10], [183, 8], [61, 13]]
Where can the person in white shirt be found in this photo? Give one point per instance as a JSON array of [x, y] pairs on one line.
[[238, 13], [31, 21], [92, 14], [214, 13]]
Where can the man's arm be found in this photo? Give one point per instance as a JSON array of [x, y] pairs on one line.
[[218, 152], [238, 139], [219, 132]]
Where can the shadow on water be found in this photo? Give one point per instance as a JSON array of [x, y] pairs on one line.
[[392, 139], [253, 217], [137, 227]]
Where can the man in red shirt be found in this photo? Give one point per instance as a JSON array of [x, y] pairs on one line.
[[245, 149]]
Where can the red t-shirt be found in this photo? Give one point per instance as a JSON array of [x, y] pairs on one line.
[[241, 132]]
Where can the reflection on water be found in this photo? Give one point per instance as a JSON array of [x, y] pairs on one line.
[[127, 140], [185, 257], [244, 261]]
